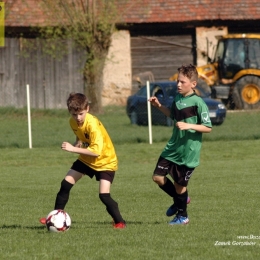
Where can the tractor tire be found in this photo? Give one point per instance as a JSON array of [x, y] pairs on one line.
[[204, 86], [236, 98], [246, 93]]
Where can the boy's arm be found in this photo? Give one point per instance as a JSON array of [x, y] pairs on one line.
[[76, 148], [155, 102], [77, 143], [198, 128]]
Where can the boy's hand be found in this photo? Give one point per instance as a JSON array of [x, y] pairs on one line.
[[154, 101], [78, 144], [67, 147], [183, 126]]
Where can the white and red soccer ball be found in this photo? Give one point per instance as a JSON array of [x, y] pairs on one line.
[[58, 221]]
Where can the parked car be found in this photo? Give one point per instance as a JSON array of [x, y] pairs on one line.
[[165, 91]]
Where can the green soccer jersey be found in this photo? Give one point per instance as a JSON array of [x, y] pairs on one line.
[[184, 146]]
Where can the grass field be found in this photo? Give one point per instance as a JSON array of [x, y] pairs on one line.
[[224, 193]]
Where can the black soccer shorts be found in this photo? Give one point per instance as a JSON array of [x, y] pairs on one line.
[[179, 173], [86, 170]]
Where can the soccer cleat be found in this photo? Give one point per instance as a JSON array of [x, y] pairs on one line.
[[43, 221], [172, 210], [120, 225], [179, 220]]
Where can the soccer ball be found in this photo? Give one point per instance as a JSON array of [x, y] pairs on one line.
[[58, 221]]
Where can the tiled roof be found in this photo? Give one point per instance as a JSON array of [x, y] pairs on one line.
[[19, 13], [149, 11]]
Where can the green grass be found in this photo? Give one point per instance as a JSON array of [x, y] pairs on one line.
[[224, 192], [50, 128]]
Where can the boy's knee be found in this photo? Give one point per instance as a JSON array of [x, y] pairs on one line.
[[158, 179], [107, 200], [104, 197], [65, 186], [180, 189]]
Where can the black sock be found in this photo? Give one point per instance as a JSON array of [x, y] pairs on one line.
[[169, 188], [63, 195], [181, 203], [111, 207]]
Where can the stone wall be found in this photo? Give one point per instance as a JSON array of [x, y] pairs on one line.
[[117, 75]]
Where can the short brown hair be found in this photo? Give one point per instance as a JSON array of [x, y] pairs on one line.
[[77, 102], [189, 71]]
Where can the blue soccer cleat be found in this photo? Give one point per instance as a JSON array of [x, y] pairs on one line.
[[179, 220], [172, 210]]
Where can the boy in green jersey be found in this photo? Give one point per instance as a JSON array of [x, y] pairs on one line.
[[97, 157], [182, 152]]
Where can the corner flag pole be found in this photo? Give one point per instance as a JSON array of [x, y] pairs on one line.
[[29, 116], [149, 112]]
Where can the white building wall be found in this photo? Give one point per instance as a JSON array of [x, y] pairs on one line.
[[207, 37], [117, 74]]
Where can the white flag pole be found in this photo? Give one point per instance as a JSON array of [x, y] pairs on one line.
[[149, 112], [29, 116]]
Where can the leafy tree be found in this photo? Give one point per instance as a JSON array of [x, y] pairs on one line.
[[89, 24]]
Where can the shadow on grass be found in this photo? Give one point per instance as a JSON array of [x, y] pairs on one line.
[[21, 227], [92, 224]]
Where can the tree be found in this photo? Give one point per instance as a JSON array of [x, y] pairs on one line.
[[89, 24]]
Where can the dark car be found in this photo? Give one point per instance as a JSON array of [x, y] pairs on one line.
[[165, 92]]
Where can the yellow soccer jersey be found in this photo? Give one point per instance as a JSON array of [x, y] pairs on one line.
[[95, 138]]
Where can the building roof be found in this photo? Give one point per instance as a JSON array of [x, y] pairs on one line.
[[21, 14], [148, 11], [197, 10]]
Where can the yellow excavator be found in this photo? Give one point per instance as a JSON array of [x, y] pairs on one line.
[[234, 74]]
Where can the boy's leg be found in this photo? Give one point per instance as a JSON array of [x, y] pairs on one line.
[[181, 175], [63, 195], [167, 186], [111, 205], [181, 204], [181, 199]]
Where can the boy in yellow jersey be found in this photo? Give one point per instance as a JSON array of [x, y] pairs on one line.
[[97, 157]]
